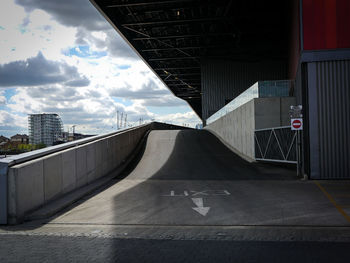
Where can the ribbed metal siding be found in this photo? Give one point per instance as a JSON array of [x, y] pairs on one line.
[[300, 93], [224, 80], [298, 86], [333, 99]]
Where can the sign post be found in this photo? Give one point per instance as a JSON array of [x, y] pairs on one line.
[[296, 124]]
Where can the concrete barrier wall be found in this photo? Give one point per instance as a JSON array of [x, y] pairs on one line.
[[272, 112], [236, 129], [34, 183]]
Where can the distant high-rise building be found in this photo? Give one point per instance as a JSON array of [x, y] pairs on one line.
[[44, 128]]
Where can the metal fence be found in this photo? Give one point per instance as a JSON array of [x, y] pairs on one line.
[[276, 145]]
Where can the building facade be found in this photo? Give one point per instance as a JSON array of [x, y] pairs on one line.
[[209, 52], [44, 128], [20, 138]]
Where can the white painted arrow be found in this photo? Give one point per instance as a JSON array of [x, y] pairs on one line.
[[200, 209]]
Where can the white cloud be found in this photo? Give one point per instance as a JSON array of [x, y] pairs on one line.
[[76, 106], [187, 118], [34, 32], [2, 98], [12, 123], [85, 87]]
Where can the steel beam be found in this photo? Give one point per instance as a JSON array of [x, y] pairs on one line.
[[181, 84], [176, 21], [181, 74], [181, 36], [176, 68], [149, 3], [177, 80], [166, 49], [177, 48], [172, 58]]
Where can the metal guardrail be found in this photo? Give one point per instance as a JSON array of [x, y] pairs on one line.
[[276, 145]]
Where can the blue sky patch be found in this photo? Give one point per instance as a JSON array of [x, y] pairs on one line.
[[22, 29], [93, 63], [9, 93], [84, 52], [123, 101], [124, 66]]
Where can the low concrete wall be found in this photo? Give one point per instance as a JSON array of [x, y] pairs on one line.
[[34, 183], [236, 129]]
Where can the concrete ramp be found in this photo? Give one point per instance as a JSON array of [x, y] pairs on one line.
[[196, 155], [187, 177]]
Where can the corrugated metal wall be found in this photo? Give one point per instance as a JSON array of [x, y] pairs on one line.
[[297, 90], [329, 82], [224, 80], [301, 95]]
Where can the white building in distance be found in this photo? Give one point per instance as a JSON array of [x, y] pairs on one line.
[[44, 128]]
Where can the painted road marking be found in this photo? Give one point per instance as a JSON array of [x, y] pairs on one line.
[[333, 201], [172, 193], [196, 193], [200, 207]]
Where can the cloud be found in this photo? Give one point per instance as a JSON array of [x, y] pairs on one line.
[[147, 91], [144, 88], [77, 13], [63, 57], [108, 40], [164, 101], [14, 123], [92, 109], [117, 47], [187, 118], [40, 71], [82, 15], [78, 82], [2, 98]]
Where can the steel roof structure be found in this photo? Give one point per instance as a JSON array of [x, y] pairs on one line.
[[173, 36]]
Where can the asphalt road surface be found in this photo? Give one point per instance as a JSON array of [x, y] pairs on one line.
[[188, 177], [83, 249], [190, 199]]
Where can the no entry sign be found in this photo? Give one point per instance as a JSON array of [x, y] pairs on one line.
[[296, 124]]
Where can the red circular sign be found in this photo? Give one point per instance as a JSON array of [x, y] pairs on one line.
[[296, 124]]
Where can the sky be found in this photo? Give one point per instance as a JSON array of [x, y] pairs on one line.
[[63, 57]]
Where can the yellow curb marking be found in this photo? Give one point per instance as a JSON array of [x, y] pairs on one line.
[[333, 201]]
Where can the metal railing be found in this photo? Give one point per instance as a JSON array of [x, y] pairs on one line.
[[276, 145]]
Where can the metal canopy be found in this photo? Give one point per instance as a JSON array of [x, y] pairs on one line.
[[173, 36]]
